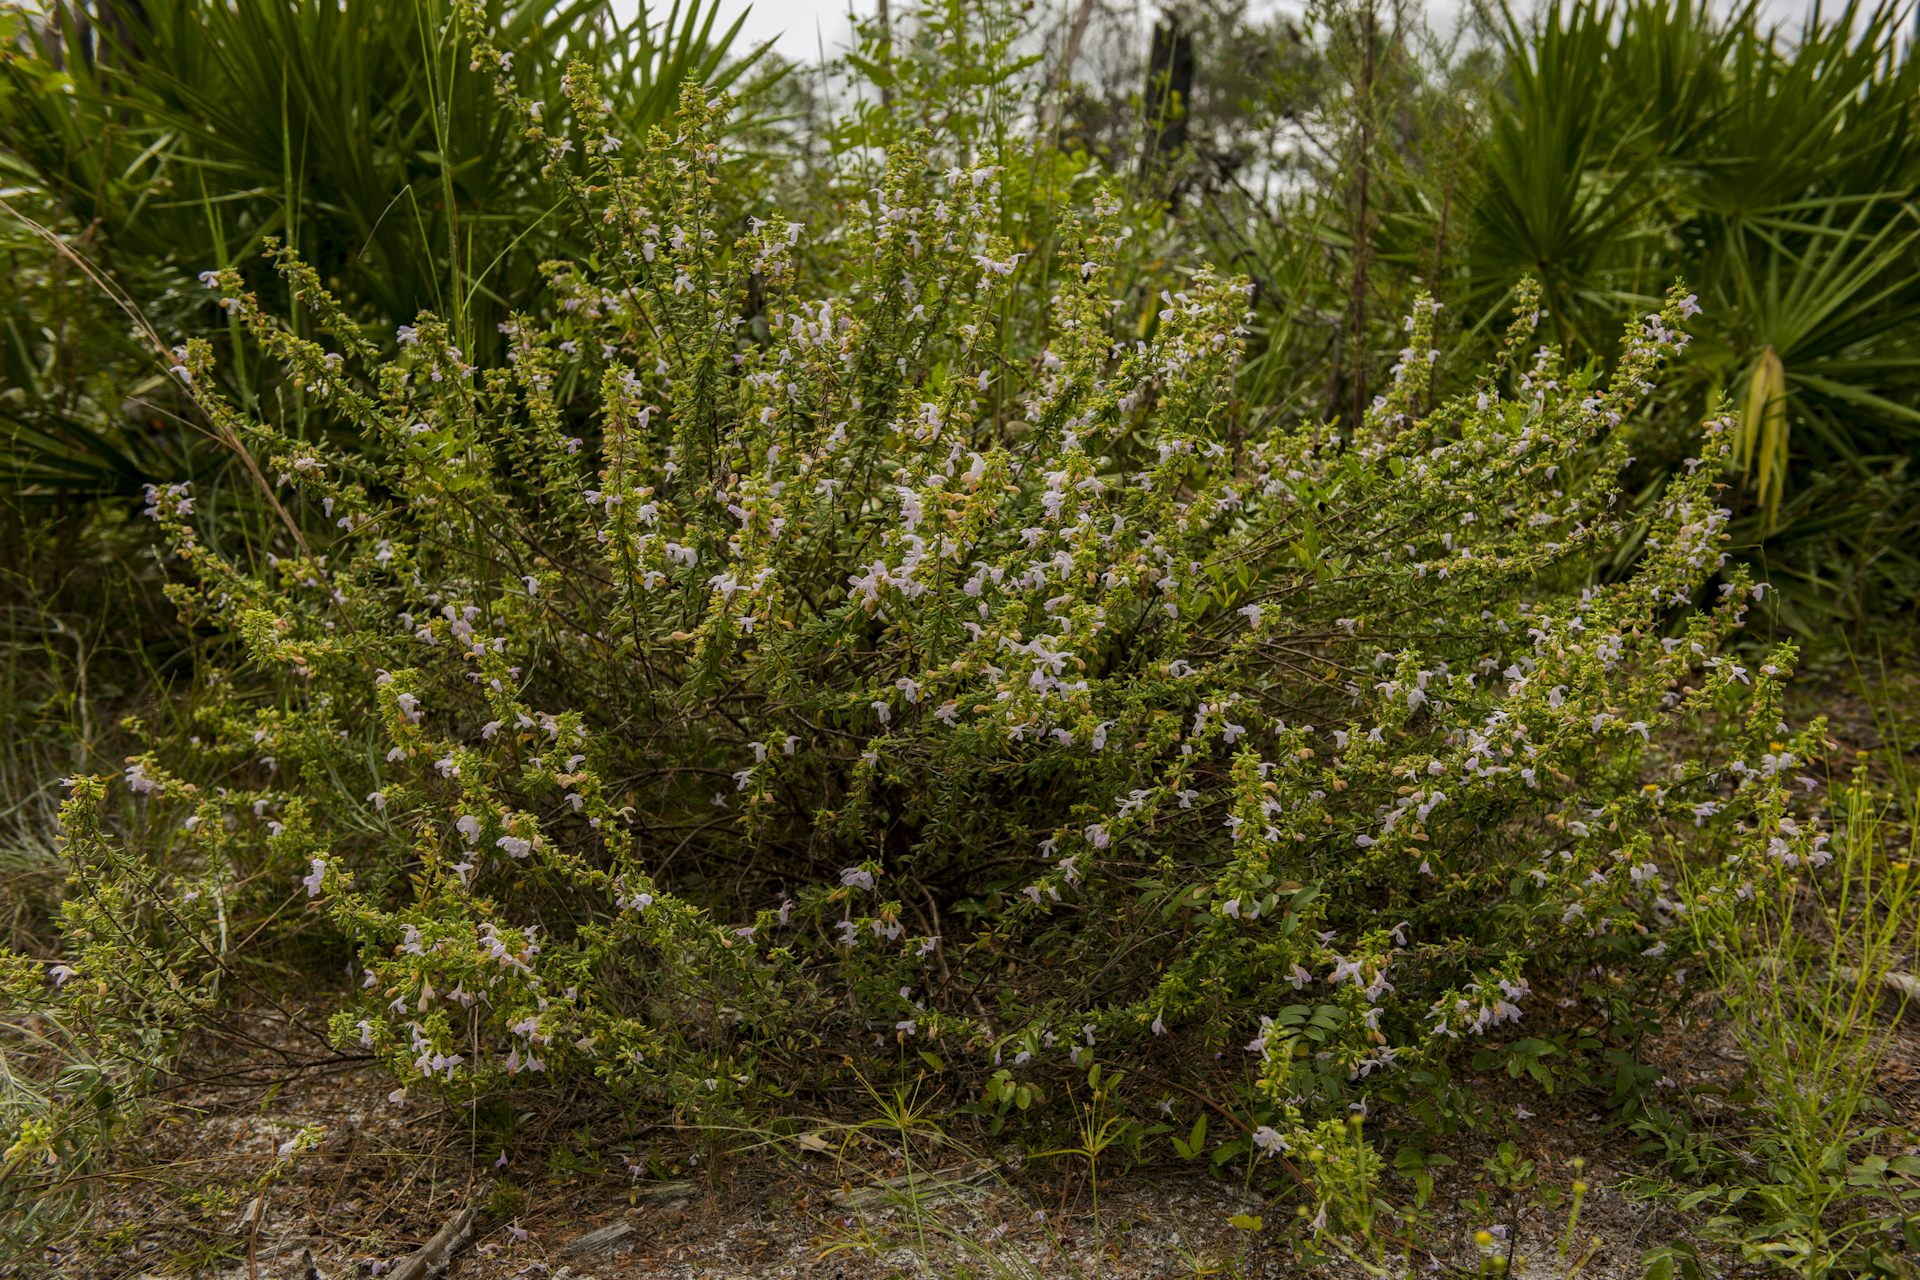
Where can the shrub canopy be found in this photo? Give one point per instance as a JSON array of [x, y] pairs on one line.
[[914, 653]]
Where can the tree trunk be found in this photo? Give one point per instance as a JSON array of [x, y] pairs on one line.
[[1362, 228], [883, 18], [1169, 84], [1063, 79]]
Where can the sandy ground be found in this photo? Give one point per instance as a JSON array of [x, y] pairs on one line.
[[382, 1180]]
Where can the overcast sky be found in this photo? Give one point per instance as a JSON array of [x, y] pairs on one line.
[[801, 28]]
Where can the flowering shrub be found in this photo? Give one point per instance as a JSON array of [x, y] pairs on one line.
[[760, 665]]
